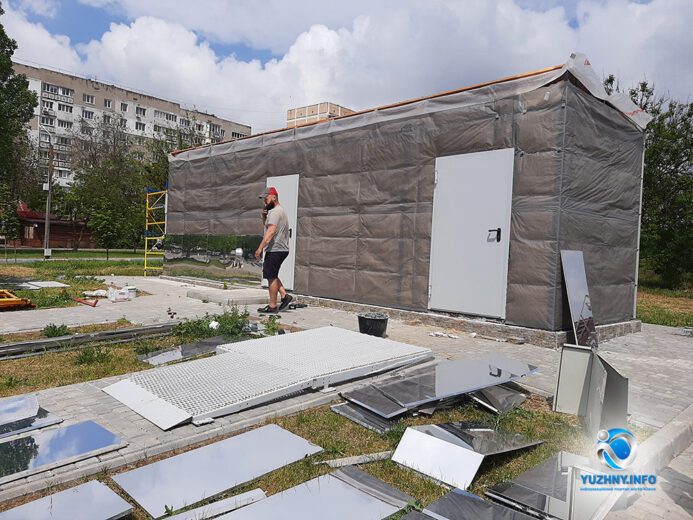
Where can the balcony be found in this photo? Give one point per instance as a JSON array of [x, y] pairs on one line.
[[57, 97]]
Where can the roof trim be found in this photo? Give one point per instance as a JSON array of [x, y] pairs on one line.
[[393, 105]]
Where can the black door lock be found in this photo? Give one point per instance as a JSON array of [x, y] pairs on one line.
[[497, 231]]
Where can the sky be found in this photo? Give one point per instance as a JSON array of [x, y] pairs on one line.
[[250, 61]]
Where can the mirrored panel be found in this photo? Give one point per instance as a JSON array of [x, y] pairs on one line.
[[363, 417], [483, 439], [498, 399], [579, 298], [205, 472], [529, 500], [52, 448], [222, 506], [40, 420], [17, 408], [90, 501], [460, 505]]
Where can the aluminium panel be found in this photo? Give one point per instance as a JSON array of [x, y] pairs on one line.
[[91, 501], [460, 505], [572, 384], [40, 420], [205, 472], [220, 507], [579, 298], [54, 448], [147, 404], [324, 497], [615, 408], [439, 459], [364, 417], [480, 437], [595, 398], [498, 399], [257, 371], [529, 501], [17, 408]]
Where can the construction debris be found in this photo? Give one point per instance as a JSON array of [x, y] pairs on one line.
[[10, 302], [357, 459]]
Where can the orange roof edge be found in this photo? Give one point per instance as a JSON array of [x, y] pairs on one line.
[[393, 105]]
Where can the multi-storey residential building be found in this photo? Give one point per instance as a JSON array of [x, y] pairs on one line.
[[65, 100], [312, 113]]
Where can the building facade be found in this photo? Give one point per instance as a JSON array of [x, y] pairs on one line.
[[65, 100], [313, 113]]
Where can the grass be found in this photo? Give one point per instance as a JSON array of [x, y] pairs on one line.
[[122, 323], [665, 307], [59, 253], [53, 331]]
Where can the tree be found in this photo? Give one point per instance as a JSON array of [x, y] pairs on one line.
[[667, 218], [17, 105], [69, 205]]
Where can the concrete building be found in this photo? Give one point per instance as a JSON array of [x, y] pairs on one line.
[[313, 113], [66, 99]]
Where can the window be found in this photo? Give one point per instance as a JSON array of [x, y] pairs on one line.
[[47, 104], [199, 127], [141, 111], [140, 126], [171, 117], [123, 107], [29, 232], [123, 122], [107, 103], [223, 132], [87, 114], [45, 154], [67, 92], [64, 141], [140, 141], [47, 87], [44, 138], [65, 108], [184, 122], [139, 156], [159, 113], [50, 121], [61, 156], [157, 128], [88, 98], [106, 118], [64, 124], [237, 135]]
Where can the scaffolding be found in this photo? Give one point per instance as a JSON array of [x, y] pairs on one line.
[[155, 228]]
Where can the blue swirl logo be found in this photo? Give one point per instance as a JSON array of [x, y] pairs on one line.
[[616, 448]]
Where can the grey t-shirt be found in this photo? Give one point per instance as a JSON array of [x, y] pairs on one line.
[[280, 240]]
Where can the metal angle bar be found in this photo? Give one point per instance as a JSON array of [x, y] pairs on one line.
[[220, 507]]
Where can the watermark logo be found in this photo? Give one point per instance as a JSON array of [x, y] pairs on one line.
[[616, 448]]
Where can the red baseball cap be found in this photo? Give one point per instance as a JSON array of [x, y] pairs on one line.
[[269, 191]]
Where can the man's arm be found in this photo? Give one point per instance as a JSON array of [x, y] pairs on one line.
[[271, 230]]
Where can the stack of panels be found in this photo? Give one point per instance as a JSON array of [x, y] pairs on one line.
[[22, 414], [459, 505], [345, 494], [376, 404], [257, 371]]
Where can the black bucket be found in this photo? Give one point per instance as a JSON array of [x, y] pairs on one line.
[[373, 323]]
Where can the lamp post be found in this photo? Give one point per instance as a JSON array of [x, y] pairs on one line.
[[47, 224]]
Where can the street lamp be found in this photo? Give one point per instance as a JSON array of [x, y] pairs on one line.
[[47, 224]]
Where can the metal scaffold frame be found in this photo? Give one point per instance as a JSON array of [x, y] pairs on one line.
[[155, 227]]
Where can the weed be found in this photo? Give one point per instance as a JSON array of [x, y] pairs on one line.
[[53, 331], [14, 382], [230, 324], [93, 355], [336, 448], [123, 321], [394, 435], [272, 328], [225, 286]]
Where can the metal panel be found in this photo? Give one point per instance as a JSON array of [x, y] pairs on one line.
[[499, 399], [364, 417], [205, 472], [40, 420], [615, 408], [324, 497], [257, 371], [530, 501], [90, 501], [220, 507], [572, 385], [17, 408], [595, 398], [460, 505], [579, 298], [441, 460], [481, 438], [469, 258], [287, 187], [148, 405], [54, 448]]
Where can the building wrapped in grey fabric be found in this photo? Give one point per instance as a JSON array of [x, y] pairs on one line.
[[459, 202]]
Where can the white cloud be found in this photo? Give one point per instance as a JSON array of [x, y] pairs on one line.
[[372, 56], [47, 8]]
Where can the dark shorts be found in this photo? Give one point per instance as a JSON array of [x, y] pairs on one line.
[[273, 261]]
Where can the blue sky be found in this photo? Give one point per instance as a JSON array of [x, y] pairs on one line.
[[252, 60]]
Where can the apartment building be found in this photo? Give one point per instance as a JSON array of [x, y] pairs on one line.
[[65, 100], [312, 113]]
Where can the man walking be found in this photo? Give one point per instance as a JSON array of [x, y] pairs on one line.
[[276, 246]]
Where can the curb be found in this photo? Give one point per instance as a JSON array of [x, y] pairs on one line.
[[666, 444]]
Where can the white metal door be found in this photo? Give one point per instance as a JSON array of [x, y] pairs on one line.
[[287, 188], [470, 232]]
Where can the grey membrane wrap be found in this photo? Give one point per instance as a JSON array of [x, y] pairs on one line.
[[460, 505], [257, 371], [90, 501], [345, 494], [220, 507], [17, 408], [367, 181], [40, 420], [53, 448], [414, 388], [199, 474], [452, 452]]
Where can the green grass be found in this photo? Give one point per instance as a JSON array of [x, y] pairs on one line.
[[58, 253], [93, 355], [53, 331]]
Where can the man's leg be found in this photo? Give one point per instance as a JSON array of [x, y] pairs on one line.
[[282, 291], [274, 285]]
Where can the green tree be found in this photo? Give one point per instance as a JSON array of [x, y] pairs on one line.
[[667, 218], [17, 105], [69, 205]]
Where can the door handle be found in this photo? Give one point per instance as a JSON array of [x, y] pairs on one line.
[[290, 230], [497, 231]]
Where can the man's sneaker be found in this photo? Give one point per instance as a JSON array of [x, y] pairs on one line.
[[286, 300], [268, 310]]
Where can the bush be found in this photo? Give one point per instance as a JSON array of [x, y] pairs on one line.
[[230, 324], [53, 331]]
